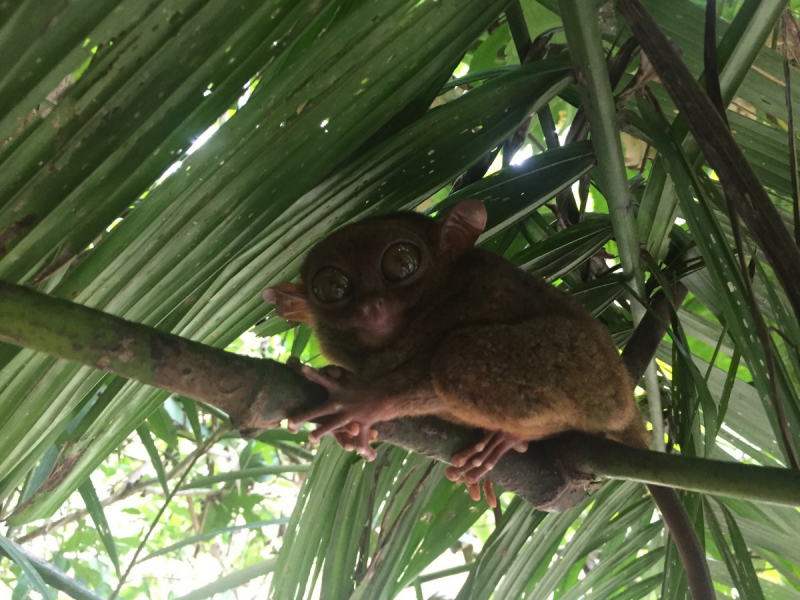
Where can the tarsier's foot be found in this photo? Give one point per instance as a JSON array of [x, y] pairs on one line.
[[472, 464], [352, 407]]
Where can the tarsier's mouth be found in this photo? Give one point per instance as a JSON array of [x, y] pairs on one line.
[[376, 336]]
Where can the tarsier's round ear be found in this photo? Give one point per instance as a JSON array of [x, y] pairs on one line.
[[462, 227], [290, 301]]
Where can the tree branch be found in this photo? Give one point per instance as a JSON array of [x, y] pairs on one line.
[[774, 485], [553, 475], [256, 394]]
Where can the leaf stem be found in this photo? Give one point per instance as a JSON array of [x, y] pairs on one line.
[[787, 19], [586, 49]]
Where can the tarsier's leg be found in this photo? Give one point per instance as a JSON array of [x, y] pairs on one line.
[[529, 381]]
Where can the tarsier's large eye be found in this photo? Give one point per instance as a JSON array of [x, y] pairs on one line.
[[400, 261], [331, 284]]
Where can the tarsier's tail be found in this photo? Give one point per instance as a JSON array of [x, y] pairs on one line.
[[692, 554]]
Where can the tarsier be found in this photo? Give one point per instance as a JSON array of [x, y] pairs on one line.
[[418, 321]]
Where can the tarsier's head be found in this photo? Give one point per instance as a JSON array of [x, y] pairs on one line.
[[368, 278]]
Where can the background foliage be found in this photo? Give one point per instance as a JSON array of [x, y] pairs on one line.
[[165, 161]]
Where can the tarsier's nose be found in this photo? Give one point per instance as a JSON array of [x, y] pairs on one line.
[[373, 308], [377, 318]]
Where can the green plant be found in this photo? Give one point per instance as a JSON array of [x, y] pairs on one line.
[[321, 113]]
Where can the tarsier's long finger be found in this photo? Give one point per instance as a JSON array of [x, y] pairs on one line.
[[460, 459], [474, 491], [478, 472], [488, 491], [353, 428], [475, 474], [332, 371], [362, 444], [346, 436], [497, 439], [339, 421], [521, 447], [321, 411], [453, 473], [457, 473], [329, 383], [345, 440], [474, 457]]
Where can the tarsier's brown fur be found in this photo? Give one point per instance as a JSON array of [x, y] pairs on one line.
[[470, 338], [473, 338]]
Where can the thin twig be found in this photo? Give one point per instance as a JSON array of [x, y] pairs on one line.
[[390, 507], [710, 58], [497, 511], [716, 351], [411, 497], [535, 142], [125, 492], [363, 542], [787, 15], [212, 439], [643, 164], [526, 50]]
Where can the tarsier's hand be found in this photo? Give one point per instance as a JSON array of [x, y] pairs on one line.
[[353, 406]]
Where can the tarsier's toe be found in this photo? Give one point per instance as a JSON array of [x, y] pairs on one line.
[[452, 473], [362, 443], [488, 490], [458, 473], [471, 476], [345, 440], [467, 457], [474, 490], [368, 454], [332, 372], [350, 437], [473, 464], [475, 474]]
